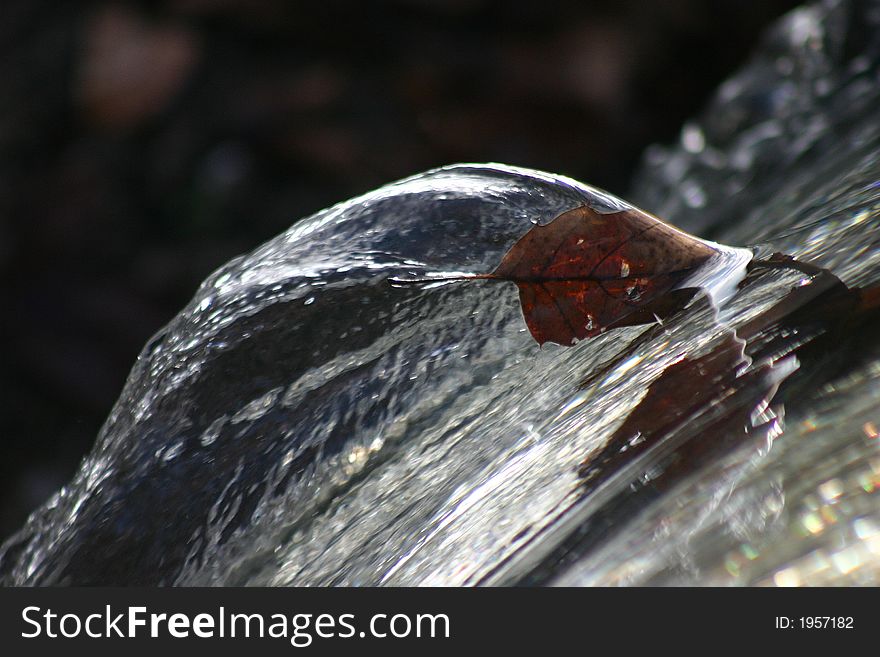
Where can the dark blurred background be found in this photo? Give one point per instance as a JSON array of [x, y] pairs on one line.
[[144, 144]]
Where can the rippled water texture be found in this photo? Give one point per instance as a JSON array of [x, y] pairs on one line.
[[302, 421]]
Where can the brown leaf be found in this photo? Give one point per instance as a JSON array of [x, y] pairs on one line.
[[585, 271]]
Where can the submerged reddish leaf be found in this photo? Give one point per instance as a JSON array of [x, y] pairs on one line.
[[701, 406], [586, 271], [677, 402]]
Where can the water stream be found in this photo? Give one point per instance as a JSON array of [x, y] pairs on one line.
[[304, 422]]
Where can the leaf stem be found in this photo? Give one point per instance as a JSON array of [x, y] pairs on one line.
[[442, 279]]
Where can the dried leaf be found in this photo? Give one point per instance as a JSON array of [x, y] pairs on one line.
[[585, 271]]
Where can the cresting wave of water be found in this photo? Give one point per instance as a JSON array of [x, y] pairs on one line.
[[303, 411]]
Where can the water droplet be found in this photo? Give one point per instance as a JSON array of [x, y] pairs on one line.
[[212, 432], [693, 139], [172, 452]]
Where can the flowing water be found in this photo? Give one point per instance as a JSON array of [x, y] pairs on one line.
[[302, 421]]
